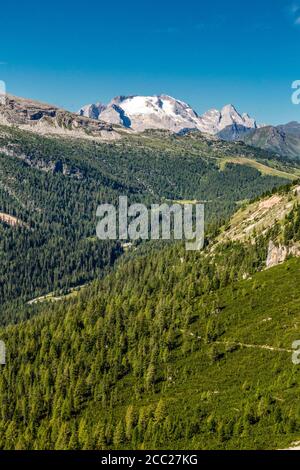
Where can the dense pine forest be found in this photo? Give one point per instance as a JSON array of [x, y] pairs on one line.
[[168, 351], [52, 186]]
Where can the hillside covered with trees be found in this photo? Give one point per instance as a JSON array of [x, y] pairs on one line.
[[170, 350], [52, 187]]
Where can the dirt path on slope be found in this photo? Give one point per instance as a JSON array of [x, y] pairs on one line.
[[255, 346]]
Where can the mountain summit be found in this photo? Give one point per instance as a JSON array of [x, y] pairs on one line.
[[145, 112], [165, 112]]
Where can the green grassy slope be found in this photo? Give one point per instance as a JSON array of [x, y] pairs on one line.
[[161, 354]]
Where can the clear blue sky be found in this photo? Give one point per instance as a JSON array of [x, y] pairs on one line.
[[208, 53]]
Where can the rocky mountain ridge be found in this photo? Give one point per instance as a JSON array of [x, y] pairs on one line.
[[165, 112], [46, 119]]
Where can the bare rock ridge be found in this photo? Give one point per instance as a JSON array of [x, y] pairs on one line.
[[258, 218], [46, 119], [164, 112]]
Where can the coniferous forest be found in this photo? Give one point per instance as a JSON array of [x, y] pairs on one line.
[[152, 347]]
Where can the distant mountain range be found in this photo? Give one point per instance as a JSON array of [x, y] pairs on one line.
[[139, 113], [283, 140], [164, 112]]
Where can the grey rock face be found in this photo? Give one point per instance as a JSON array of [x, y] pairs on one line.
[[278, 254], [46, 119], [92, 111]]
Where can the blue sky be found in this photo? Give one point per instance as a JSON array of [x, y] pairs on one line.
[[208, 53]]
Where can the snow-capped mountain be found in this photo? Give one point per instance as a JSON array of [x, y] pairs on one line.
[[164, 112], [145, 112]]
